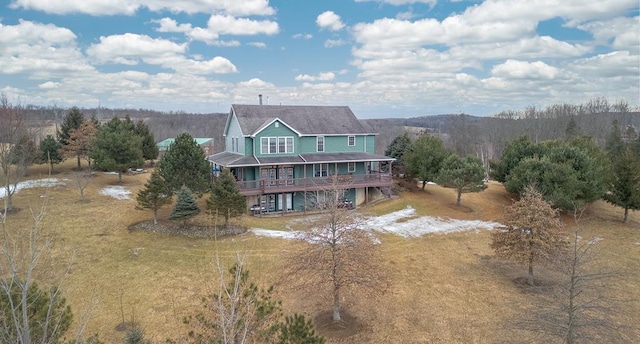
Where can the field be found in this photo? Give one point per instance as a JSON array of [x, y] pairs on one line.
[[446, 288]]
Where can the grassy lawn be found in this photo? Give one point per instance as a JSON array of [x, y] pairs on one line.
[[446, 287]]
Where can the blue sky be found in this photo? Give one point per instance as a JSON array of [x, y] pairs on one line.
[[383, 58]]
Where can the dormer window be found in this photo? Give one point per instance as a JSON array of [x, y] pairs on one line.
[[276, 124], [320, 142]]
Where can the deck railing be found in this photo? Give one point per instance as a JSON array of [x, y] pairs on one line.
[[256, 187]]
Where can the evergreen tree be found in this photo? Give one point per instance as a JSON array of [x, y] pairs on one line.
[[185, 208], [465, 175], [624, 190], [530, 236], [116, 147], [226, 199], [154, 195], [47, 317], [80, 142], [424, 158], [184, 164], [397, 149], [514, 152], [298, 330], [49, 151], [24, 151], [150, 150], [615, 145], [70, 122]]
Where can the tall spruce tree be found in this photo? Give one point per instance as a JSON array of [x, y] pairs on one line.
[[226, 200], [116, 147], [397, 149], [185, 208], [184, 164], [70, 122], [154, 195]]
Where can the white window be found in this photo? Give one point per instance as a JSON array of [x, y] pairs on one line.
[[352, 140], [320, 140], [321, 170], [275, 145], [289, 144], [351, 167]]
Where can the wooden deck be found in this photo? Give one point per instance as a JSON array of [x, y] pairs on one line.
[[347, 181]]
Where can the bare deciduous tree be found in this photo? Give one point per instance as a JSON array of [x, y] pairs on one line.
[[14, 160], [336, 254], [30, 314]]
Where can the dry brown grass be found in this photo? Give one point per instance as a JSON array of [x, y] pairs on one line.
[[447, 288]]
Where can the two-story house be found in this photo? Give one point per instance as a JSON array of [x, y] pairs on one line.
[[283, 155]]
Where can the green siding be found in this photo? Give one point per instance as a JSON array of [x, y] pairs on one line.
[[273, 131], [248, 146], [371, 144], [234, 131], [337, 144]]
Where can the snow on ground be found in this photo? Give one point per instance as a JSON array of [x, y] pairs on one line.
[[116, 191], [403, 223], [37, 183]]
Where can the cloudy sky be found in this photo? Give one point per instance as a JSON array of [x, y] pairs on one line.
[[383, 58]]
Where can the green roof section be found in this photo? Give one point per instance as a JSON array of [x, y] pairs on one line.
[[164, 144]]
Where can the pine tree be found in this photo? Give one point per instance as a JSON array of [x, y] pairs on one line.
[[184, 164], [154, 195], [298, 330], [226, 199], [530, 236], [397, 149], [70, 122], [116, 147], [424, 158], [624, 190], [150, 150], [80, 142], [465, 175], [185, 208], [49, 151]]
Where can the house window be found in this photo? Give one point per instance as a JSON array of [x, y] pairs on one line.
[[321, 170], [273, 148], [289, 144], [351, 167], [351, 140], [276, 145], [233, 144], [320, 140], [237, 144]]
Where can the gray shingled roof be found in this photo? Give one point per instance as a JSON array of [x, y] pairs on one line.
[[237, 160], [307, 120]]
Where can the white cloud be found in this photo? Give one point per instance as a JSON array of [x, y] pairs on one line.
[[320, 77], [129, 7], [329, 20], [49, 85], [218, 25], [44, 51], [332, 43], [302, 36], [623, 31], [129, 48], [403, 2], [524, 70]]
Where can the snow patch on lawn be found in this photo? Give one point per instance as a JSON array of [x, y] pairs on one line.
[[402, 223], [595, 240], [116, 191], [37, 183]]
